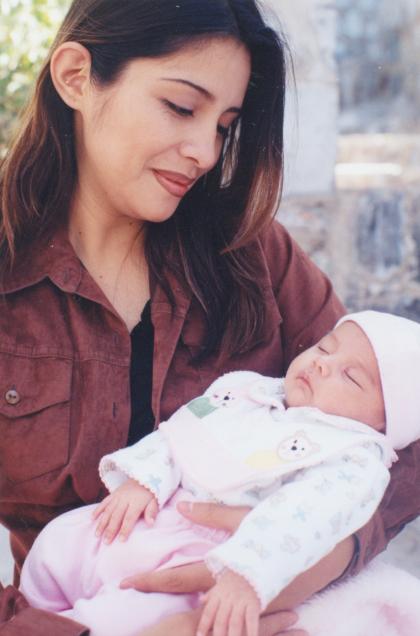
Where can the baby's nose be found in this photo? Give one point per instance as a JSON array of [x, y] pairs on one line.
[[322, 366]]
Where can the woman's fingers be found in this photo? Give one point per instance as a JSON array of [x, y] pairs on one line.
[[279, 624], [213, 515], [184, 579]]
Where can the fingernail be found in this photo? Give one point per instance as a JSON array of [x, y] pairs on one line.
[[185, 506], [125, 584]]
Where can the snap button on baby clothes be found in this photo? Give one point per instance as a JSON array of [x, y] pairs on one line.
[[12, 396]]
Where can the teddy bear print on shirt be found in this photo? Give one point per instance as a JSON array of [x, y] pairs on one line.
[[297, 447], [292, 449]]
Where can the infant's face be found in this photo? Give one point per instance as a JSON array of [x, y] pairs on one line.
[[339, 375]]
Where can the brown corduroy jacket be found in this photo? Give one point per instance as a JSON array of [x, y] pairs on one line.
[[64, 388]]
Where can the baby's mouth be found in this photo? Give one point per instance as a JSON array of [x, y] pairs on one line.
[[304, 377]]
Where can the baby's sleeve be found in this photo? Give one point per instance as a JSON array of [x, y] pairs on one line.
[[148, 461], [303, 521]]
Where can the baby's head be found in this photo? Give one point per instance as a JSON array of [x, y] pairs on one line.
[[367, 369]]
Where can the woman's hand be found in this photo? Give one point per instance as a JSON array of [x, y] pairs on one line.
[[213, 515], [197, 578], [186, 625], [185, 579], [119, 512]]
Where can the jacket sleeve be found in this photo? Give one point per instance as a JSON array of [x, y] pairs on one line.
[[148, 461], [303, 521], [400, 505], [18, 619]]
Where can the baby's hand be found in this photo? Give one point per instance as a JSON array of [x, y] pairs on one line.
[[120, 511], [231, 608]]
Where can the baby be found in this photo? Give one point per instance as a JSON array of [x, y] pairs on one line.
[[309, 453]]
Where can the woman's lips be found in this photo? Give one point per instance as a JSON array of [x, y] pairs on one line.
[[173, 182]]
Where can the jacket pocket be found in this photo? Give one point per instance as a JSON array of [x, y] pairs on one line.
[[34, 416]]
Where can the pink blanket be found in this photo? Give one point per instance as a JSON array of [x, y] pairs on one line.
[[381, 601]]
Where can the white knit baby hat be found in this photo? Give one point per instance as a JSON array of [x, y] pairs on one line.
[[396, 343]]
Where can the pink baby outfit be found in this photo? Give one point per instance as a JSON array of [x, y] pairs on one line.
[[73, 573], [310, 478]]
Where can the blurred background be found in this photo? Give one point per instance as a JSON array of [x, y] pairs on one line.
[[353, 156], [352, 177]]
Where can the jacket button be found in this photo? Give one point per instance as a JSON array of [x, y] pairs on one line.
[[12, 396]]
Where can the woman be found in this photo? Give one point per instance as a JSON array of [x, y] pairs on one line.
[[137, 255]]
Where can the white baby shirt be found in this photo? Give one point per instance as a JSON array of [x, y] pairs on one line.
[[312, 479]]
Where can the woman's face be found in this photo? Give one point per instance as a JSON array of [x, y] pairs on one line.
[[143, 142]]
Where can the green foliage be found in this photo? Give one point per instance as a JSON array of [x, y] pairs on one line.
[[27, 28]]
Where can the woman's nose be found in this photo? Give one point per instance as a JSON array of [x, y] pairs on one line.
[[204, 149]]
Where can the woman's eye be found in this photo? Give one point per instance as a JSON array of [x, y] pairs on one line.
[[179, 110], [322, 349], [223, 131]]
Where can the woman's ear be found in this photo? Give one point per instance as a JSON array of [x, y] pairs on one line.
[[70, 72]]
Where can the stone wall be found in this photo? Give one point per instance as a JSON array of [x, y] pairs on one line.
[[378, 55], [410, 53], [364, 232], [369, 49], [366, 236], [310, 131]]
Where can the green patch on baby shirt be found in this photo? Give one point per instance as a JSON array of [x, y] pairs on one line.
[[201, 407]]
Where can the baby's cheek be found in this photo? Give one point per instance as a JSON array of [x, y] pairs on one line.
[[295, 397]]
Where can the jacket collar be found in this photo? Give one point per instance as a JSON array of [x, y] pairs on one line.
[[56, 259], [53, 258]]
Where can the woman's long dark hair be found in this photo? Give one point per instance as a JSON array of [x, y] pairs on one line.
[[209, 242]]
